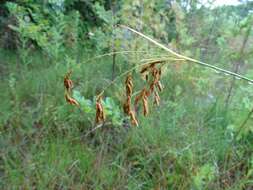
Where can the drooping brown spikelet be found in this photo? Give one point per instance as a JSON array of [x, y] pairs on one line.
[[145, 104], [133, 118], [156, 98], [160, 71], [127, 105], [143, 95], [100, 115], [146, 77], [156, 78], [155, 74], [139, 97], [68, 82], [71, 100], [151, 88], [129, 85], [159, 86]]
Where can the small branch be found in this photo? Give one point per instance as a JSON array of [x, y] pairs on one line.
[[94, 129], [112, 53]]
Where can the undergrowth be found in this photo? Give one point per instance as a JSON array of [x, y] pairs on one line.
[[185, 143]]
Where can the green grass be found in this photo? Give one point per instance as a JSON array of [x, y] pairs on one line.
[[183, 144]]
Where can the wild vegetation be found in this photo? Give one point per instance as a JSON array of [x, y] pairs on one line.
[[133, 94]]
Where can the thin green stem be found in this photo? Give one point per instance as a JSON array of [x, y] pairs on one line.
[[187, 58], [113, 53]]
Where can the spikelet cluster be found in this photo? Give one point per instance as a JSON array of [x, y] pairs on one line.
[[151, 72]]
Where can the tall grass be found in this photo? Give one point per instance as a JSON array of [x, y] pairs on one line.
[[184, 144]]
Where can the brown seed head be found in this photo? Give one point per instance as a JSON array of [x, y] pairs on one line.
[[129, 85], [159, 86], [127, 105], [70, 100], [133, 118], [68, 82], [139, 97], [143, 95], [156, 98], [100, 115], [145, 105]]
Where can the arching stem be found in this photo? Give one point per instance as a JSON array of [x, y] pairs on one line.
[[187, 58]]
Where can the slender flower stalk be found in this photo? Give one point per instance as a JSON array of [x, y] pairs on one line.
[[188, 58]]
